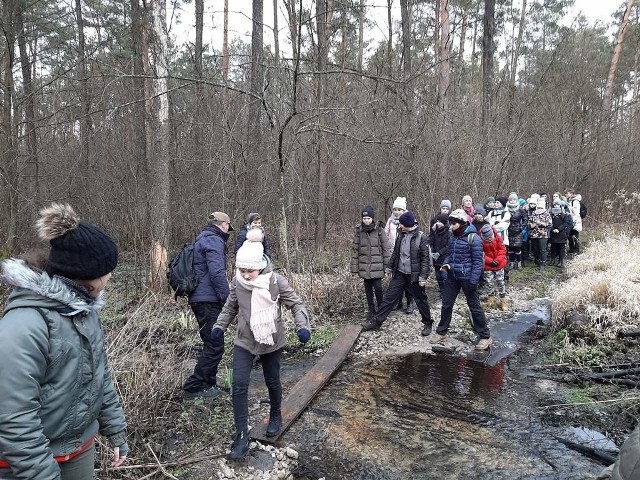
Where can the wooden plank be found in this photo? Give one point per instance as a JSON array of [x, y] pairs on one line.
[[303, 392]]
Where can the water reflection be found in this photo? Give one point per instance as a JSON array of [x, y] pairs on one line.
[[430, 417]]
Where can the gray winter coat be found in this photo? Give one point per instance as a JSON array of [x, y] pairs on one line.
[[238, 306], [56, 390], [370, 252]]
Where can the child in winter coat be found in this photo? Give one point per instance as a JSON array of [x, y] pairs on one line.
[[254, 220], [560, 228], [391, 228], [439, 238], [539, 224], [370, 253], [517, 222], [255, 299], [499, 218], [467, 206], [495, 261]]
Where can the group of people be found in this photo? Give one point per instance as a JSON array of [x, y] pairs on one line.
[[471, 248], [58, 392]]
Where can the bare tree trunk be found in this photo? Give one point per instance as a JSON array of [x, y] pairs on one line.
[[225, 51], [86, 126], [463, 41], [445, 41], [361, 13], [160, 185], [515, 56], [407, 71], [608, 91], [389, 61], [255, 106], [323, 16], [197, 68], [406, 38], [290, 5], [9, 177], [489, 27], [29, 108], [635, 117], [436, 39], [276, 36]]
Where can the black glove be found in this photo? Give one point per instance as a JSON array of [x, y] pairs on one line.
[[217, 335], [494, 263]]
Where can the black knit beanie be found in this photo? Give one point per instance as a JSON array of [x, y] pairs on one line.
[[79, 251], [368, 211]]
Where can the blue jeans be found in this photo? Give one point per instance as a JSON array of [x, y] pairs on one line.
[[206, 369], [451, 289]]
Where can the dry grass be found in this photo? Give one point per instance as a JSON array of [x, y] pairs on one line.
[[604, 285]]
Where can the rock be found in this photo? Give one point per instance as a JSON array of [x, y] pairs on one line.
[[291, 453], [226, 470]]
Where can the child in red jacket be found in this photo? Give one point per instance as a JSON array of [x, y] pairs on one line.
[[495, 261]]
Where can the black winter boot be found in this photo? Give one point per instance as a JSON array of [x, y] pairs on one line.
[[410, 309], [275, 423], [240, 447]]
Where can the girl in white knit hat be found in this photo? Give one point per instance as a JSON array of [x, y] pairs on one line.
[[391, 229], [255, 299]]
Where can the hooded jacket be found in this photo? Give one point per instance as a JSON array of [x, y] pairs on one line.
[[238, 306], [420, 254], [57, 391], [210, 266]]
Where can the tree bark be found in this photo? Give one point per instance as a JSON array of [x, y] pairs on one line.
[[276, 36], [86, 126], [29, 108], [445, 42], [225, 51], [323, 16], [608, 91], [160, 185], [361, 13], [255, 105], [489, 27], [389, 61]]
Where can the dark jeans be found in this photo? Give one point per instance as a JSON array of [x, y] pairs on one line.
[[408, 296], [206, 369], [399, 283], [78, 468], [451, 289], [515, 254], [373, 286], [539, 247], [242, 365], [557, 251], [574, 241], [441, 277]]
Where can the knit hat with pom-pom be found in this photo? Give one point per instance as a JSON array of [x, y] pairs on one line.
[[251, 254], [79, 251]]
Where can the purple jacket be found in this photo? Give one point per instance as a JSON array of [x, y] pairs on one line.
[[210, 265]]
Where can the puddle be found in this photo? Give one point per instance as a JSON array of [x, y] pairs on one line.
[[434, 416]]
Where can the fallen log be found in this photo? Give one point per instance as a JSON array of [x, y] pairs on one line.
[[614, 373], [629, 333]]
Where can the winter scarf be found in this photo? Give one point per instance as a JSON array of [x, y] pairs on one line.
[[395, 219], [264, 310], [368, 228]]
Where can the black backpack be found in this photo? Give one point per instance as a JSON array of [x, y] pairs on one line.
[[583, 210], [180, 273]]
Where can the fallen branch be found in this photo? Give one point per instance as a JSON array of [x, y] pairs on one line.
[[174, 463], [600, 455], [614, 373]]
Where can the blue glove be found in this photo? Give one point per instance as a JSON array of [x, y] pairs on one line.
[[304, 335], [124, 449], [217, 335]]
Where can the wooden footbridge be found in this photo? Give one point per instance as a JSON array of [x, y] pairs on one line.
[[303, 392]]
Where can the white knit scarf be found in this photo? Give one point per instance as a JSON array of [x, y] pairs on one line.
[[264, 310]]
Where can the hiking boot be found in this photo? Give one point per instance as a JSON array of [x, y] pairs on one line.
[[562, 264], [370, 324], [213, 392], [275, 424], [518, 265], [491, 301], [410, 309], [426, 329], [438, 339], [504, 304], [484, 343], [240, 447]]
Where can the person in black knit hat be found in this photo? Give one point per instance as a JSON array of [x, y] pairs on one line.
[[57, 390], [370, 253]]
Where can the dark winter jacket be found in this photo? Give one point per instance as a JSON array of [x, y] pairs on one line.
[[517, 223], [627, 466], [420, 254], [242, 236], [562, 223], [56, 390], [494, 251], [439, 239], [238, 307], [370, 251], [466, 258], [210, 266]]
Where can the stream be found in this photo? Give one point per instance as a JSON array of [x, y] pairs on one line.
[[435, 416]]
